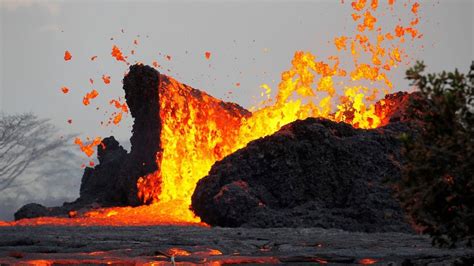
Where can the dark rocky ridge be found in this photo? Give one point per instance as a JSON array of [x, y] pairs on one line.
[[311, 173]]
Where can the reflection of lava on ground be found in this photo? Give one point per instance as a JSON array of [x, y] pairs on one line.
[[213, 246]]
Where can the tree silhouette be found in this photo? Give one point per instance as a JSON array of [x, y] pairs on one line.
[[25, 140], [437, 187]]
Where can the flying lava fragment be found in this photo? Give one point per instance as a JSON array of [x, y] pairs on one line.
[[67, 55], [208, 55], [106, 79], [88, 149], [117, 118], [117, 53], [90, 95], [65, 90]]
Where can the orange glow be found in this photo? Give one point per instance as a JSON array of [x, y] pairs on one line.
[[88, 149], [117, 53], [208, 132], [340, 42], [121, 106], [106, 79], [359, 4], [369, 22], [214, 252], [208, 55], [367, 261], [117, 118], [90, 95], [155, 214], [356, 16], [177, 252], [67, 56], [65, 90], [415, 7], [374, 4]]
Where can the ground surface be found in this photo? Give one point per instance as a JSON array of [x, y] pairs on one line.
[[217, 246]]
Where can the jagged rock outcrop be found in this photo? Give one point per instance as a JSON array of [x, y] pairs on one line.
[[311, 173], [141, 87], [32, 210], [98, 183]]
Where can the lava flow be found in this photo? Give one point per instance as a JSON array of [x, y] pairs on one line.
[[187, 157], [343, 87]]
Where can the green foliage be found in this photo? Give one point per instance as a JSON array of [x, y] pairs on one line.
[[437, 188]]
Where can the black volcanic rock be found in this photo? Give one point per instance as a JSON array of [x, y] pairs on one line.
[[32, 210], [113, 182], [141, 93], [98, 183], [311, 173]]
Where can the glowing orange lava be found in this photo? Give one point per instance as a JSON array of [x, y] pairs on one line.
[[367, 261], [106, 79], [88, 149], [90, 95], [309, 88], [117, 53], [67, 56]]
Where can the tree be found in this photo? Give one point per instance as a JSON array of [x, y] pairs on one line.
[[25, 140], [437, 188]]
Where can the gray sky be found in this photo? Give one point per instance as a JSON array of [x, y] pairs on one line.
[[35, 34]]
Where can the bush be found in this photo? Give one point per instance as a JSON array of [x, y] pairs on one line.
[[437, 188]]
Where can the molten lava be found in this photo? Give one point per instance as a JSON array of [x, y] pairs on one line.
[[195, 136], [197, 133]]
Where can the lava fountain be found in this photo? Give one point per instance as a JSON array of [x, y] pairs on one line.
[[197, 130]]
